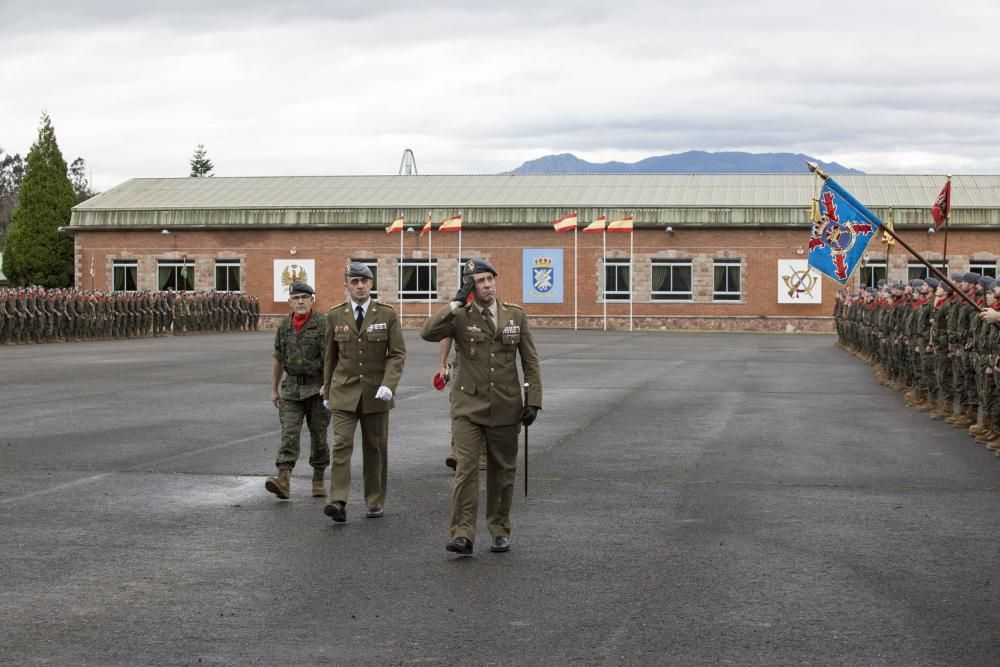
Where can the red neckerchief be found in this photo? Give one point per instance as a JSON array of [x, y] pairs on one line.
[[919, 302], [300, 321], [939, 301]]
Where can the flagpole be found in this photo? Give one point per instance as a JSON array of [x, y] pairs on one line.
[[430, 253], [947, 219], [604, 264], [906, 246], [888, 250], [631, 274], [460, 255], [814, 214], [575, 232], [399, 278]]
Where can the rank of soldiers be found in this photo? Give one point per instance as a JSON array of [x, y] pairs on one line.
[[925, 340], [39, 315]]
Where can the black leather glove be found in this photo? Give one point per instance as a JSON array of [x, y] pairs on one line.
[[468, 284], [528, 415]]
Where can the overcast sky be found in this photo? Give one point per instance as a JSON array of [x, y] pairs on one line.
[[317, 88]]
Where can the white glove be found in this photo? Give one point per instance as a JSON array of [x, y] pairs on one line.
[[326, 404], [384, 393]]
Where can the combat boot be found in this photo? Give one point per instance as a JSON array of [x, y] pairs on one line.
[[961, 420], [282, 484], [318, 487], [941, 411]]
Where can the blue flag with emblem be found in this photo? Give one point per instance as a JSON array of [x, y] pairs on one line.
[[842, 229]]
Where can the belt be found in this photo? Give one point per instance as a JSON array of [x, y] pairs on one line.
[[305, 379]]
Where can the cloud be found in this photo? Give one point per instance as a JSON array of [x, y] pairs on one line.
[[343, 87]]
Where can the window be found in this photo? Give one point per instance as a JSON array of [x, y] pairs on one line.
[[125, 276], [727, 280], [617, 285], [417, 279], [373, 267], [872, 272], [178, 276], [984, 268], [671, 280], [916, 270], [227, 275]]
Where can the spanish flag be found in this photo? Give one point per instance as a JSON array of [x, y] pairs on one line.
[[597, 225], [427, 227], [396, 226], [621, 225], [453, 224], [565, 223]]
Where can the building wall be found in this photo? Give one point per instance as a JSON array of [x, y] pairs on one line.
[[757, 249]]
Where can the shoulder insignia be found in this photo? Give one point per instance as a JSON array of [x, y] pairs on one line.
[[384, 305], [339, 305], [513, 305]]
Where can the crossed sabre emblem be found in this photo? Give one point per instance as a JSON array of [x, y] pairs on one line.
[[838, 236]]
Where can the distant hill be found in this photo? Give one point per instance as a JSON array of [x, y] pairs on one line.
[[691, 162]]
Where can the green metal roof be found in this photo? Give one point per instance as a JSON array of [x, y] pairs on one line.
[[624, 191]]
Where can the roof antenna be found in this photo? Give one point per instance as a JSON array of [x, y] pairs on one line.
[[408, 165]]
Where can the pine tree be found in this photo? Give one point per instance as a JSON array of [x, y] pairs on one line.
[[78, 177], [200, 165], [35, 252]]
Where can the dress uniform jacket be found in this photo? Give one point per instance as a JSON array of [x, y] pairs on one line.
[[359, 361], [487, 390]]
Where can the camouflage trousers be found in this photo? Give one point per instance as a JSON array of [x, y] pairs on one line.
[[317, 419]]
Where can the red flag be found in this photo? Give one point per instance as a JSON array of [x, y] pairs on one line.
[[941, 210], [427, 226], [565, 223]]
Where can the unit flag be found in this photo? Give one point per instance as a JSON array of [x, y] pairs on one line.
[[841, 235], [941, 210]]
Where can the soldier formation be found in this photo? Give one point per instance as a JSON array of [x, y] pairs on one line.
[[40, 315], [927, 341]]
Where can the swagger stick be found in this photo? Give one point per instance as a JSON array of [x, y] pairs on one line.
[[525, 461]]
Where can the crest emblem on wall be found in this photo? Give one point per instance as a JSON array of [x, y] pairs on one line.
[[541, 275]]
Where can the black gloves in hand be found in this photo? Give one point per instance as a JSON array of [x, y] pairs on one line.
[[528, 415], [465, 290]]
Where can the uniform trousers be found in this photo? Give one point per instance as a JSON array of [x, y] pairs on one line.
[[291, 413], [501, 461], [374, 454]]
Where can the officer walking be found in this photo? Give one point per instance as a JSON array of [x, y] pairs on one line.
[[365, 353], [299, 345], [486, 400]]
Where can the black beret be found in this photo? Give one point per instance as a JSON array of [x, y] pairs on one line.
[[299, 287], [478, 265], [358, 270]]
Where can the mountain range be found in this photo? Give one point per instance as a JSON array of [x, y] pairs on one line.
[[689, 162]]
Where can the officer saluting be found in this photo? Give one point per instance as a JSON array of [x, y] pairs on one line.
[[365, 352], [486, 400]]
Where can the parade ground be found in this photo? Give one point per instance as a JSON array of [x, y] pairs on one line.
[[694, 498]]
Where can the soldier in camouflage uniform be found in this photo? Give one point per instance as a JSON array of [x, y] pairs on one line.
[[299, 349]]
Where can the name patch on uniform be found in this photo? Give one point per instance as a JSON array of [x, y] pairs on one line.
[[378, 326], [473, 327], [510, 330]]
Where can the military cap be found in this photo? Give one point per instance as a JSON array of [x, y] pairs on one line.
[[478, 265], [933, 282], [881, 283], [971, 277], [299, 287], [987, 282], [917, 283], [358, 270], [957, 277], [947, 288]]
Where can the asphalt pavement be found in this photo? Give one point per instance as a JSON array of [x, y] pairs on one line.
[[695, 498]]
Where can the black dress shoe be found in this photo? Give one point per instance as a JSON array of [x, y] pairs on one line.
[[336, 511], [460, 545], [375, 512], [500, 544]]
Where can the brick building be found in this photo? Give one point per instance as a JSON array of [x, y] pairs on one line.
[[708, 251]]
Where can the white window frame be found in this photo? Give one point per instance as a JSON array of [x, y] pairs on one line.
[[617, 294], [871, 266], [421, 266], [925, 271], [228, 264], [177, 265], [124, 264], [984, 268], [728, 294], [671, 294]]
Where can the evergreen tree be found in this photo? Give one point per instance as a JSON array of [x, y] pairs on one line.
[[200, 165], [35, 252], [11, 175], [78, 176]]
